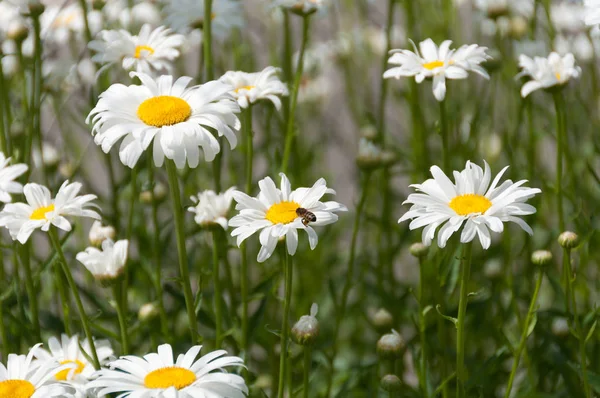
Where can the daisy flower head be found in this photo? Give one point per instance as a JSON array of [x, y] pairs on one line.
[[8, 174], [159, 375], [68, 351], [592, 14], [471, 201], [302, 7], [60, 22], [438, 63], [211, 208], [252, 87], [41, 211], [25, 377], [176, 118], [186, 15], [152, 51], [107, 264], [545, 73], [279, 213]]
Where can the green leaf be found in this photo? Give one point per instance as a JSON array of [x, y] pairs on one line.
[[532, 324], [591, 331], [446, 317]]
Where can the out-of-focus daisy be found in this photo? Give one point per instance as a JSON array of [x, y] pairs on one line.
[[185, 15], [547, 72], [24, 377], [106, 264], [252, 87], [158, 375], [471, 200], [212, 208], [280, 213], [592, 13], [499, 8], [8, 174], [150, 52], [176, 118], [68, 352], [41, 211], [301, 6], [437, 63], [99, 233], [371, 156], [143, 12], [60, 22]]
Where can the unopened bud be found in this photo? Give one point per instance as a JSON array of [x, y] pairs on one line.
[[17, 31], [160, 191], [369, 132], [36, 9], [418, 250], [391, 345], [541, 257], [568, 240], [147, 312], [492, 269], [560, 327], [99, 233], [391, 383], [382, 320], [66, 169], [98, 5], [306, 330]]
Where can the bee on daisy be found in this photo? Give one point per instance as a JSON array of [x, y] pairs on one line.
[[545, 73], [249, 88], [277, 213]]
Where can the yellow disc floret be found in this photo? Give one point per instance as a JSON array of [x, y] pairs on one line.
[[470, 203], [164, 110], [237, 90], [40, 213], [63, 374], [282, 212], [16, 389], [433, 65], [169, 377], [147, 50]]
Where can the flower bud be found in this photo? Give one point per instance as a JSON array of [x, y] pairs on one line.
[[98, 5], [17, 31], [418, 250], [147, 312], [66, 169], [492, 269], [368, 132], [568, 240], [382, 320], [160, 191], [306, 330], [391, 345], [371, 156], [98, 233], [391, 383], [560, 327], [541, 257], [36, 9]]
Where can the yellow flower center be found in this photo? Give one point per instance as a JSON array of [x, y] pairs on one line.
[[237, 90], [16, 389], [557, 75], [40, 213], [470, 203], [147, 50], [169, 377], [433, 65], [282, 212], [164, 110], [64, 20], [62, 375]]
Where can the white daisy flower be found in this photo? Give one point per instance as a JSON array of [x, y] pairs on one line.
[[41, 211], [99, 233], [437, 63], [547, 72], [108, 263], [302, 6], [8, 174], [279, 213], [186, 15], [252, 87], [471, 200], [212, 208], [150, 52], [68, 351], [60, 22], [24, 377], [176, 118], [592, 14], [158, 375]]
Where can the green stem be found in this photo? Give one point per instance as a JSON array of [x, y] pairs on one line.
[[3, 331], [307, 363], [525, 333], [118, 294], [287, 60], [183, 261], [560, 140], [289, 136], [422, 326], [129, 234], [349, 277], [67, 271], [26, 154], [64, 297], [531, 158], [465, 265], [207, 41], [36, 94], [31, 292], [218, 290], [285, 324], [4, 126], [244, 299], [87, 31], [383, 88], [444, 134]]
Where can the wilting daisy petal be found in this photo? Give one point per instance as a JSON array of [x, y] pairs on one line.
[[185, 15], [157, 374], [8, 174], [473, 202], [167, 113], [547, 72], [279, 213], [108, 263], [249, 88], [149, 52], [25, 377], [41, 211], [212, 208]]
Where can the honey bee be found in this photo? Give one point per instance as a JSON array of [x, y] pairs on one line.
[[306, 215]]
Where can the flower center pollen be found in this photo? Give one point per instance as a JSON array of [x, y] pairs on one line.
[[169, 377], [16, 389], [63, 374], [470, 203], [164, 110], [433, 65], [40, 213], [557, 75], [237, 90], [282, 212], [143, 51]]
